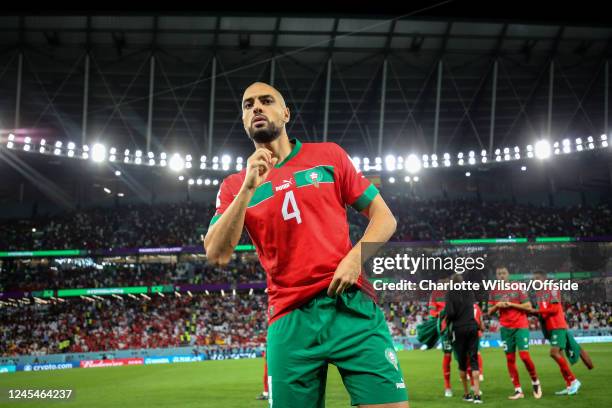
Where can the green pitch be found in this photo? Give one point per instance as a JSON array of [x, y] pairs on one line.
[[236, 383]]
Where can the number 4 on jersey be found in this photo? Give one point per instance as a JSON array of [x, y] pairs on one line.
[[295, 213]]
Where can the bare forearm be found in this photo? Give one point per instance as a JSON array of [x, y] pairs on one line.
[[223, 237], [380, 228], [525, 307]]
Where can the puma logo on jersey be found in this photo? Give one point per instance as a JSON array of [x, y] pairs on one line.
[[286, 184]]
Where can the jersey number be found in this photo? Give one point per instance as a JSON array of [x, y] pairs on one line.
[[295, 213]]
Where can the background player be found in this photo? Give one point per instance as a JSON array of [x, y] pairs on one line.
[[513, 307], [436, 305], [551, 310]]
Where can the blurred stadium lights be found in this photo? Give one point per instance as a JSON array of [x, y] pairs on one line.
[[412, 163]]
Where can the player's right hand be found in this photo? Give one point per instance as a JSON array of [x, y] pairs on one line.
[[258, 167]]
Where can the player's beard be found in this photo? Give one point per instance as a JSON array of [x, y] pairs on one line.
[[266, 134]]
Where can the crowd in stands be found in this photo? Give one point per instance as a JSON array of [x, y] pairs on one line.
[[27, 277], [215, 320], [168, 225], [81, 325]]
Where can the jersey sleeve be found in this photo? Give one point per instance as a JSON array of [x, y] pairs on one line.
[[523, 297], [357, 191], [224, 199]]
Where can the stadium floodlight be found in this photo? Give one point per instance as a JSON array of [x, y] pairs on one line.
[[112, 150], [181, 178], [604, 143], [497, 152], [42, 149], [400, 166], [400, 159], [529, 148], [70, 145], [239, 160], [589, 139], [138, 160], [483, 153], [85, 155], [117, 173], [407, 179], [366, 160], [471, 153], [472, 160], [26, 148], [70, 152], [516, 149], [578, 141], [215, 159], [150, 155], [517, 156], [226, 159], [127, 152], [207, 182], [460, 162], [523, 168], [191, 181], [530, 154], [506, 150], [506, 157], [151, 162], [412, 164], [498, 158], [604, 137], [391, 180], [11, 137], [33, 229], [434, 164], [447, 156], [10, 145], [434, 157], [44, 142], [202, 166], [415, 179], [58, 144], [567, 149], [176, 162], [57, 152], [468, 174], [579, 148], [163, 155], [390, 162], [215, 166], [591, 146], [215, 182], [557, 151], [366, 167], [542, 149], [188, 158], [199, 182], [202, 159], [460, 155], [378, 160], [106, 190], [28, 140], [138, 153], [566, 142], [484, 159], [120, 195], [126, 159], [98, 152], [239, 167], [225, 167], [447, 163], [162, 163], [112, 158]]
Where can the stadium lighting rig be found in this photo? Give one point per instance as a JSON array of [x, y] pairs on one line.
[[411, 163]]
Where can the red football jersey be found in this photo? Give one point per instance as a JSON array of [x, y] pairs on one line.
[[437, 302], [478, 317], [297, 221], [510, 317], [549, 306]]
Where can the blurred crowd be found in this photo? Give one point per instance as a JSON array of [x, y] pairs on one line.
[[168, 225]]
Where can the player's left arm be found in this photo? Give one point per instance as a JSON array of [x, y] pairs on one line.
[[381, 227], [525, 307]]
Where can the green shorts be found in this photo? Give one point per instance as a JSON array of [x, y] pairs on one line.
[[447, 347], [558, 338], [513, 338], [348, 331]]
